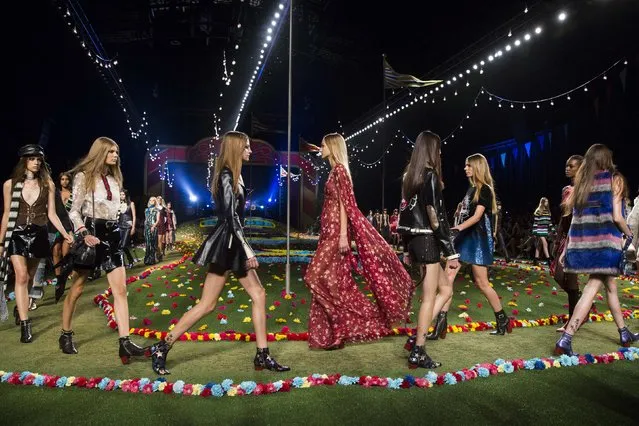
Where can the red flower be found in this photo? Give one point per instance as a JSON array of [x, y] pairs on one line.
[[479, 305], [270, 388], [168, 388], [80, 382], [259, 389], [515, 312], [174, 305], [286, 386], [277, 303], [554, 293], [149, 295], [146, 322], [205, 392]]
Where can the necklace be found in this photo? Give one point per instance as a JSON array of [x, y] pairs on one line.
[[29, 175]]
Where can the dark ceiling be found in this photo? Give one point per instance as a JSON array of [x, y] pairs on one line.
[[170, 56]]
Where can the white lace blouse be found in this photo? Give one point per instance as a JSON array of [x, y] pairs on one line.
[[83, 202]]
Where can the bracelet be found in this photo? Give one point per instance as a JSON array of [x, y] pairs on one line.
[[83, 233]]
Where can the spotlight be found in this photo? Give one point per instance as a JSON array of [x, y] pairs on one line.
[[562, 16], [193, 198]]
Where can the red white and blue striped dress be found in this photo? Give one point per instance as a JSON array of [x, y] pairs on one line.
[[594, 241]]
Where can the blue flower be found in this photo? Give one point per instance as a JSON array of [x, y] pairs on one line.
[[24, 375], [144, 382], [12, 296], [589, 358], [539, 365], [394, 383], [117, 384], [431, 376], [449, 379], [316, 376], [61, 382], [278, 385], [298, 382], [344, 381], [226, 384], [248, 386], [410, 379], [499, 362], [530, 364], [103, 383], [483, 372], [462, 375], [508, 367], [217, 391], [564, 360], [178, 386], [5, 377], [575, 360], [39, 381], [156, 385], [161, 379]]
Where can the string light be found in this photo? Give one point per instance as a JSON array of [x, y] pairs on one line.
[[449, 82], [259, 68]]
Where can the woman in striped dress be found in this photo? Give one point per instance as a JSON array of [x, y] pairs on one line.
[[542, 222], [597, 236]]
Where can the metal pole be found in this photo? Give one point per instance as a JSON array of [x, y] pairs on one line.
[[383, 134], [288, 151]]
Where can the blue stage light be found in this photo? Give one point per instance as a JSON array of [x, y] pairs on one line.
[[192, 198]]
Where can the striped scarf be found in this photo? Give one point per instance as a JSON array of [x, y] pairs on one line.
[[4, 259]]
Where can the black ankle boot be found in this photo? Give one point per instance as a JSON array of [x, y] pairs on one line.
[[159, 352], [129, 349], [626, 337], [441, 327], [503, 324], [264, 360], [66, 343], [419, 358], [25, 331]]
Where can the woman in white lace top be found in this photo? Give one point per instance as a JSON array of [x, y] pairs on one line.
[[94, 214]]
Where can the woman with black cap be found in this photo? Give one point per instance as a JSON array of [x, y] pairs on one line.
[[29, 203]]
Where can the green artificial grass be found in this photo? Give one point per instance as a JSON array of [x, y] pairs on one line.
[[592, 394]]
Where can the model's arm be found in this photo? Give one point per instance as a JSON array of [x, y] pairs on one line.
[[6, 192]]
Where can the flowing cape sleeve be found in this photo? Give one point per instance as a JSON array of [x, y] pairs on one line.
[[386, 276]]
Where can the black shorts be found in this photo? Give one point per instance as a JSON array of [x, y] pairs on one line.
[[424, 249], [30, 241], [108, 254]]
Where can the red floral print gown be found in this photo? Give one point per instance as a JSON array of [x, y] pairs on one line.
[[340, 312]]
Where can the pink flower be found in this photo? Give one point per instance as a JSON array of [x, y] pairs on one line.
[[188, 389]]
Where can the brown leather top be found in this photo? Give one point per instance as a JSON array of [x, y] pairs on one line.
[[36, 213]]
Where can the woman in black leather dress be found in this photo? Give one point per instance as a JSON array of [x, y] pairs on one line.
[[29, 201], [426, 233], [226, 249]]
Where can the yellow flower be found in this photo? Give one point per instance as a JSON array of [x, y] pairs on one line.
[[288, 297], [244, 306], [237, 337], [161, 386], [232, 392], [70, 380], [556, 364], [246, 319], [220, 299], [200, 338], [500, 368], [279, 336], [203, 327], [166, 312], [182, 295], [171, 327], [146, 285], [271, 308], [216, 337], [247, 338], [234, 287], [297, 321], [280, 320], [174, 280], [189, 288], [151, 303], [512, 303]]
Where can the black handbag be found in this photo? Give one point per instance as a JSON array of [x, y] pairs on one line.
[[82, 254]]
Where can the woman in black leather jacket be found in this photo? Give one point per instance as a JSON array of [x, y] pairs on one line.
[[226, 249], [426, 233]]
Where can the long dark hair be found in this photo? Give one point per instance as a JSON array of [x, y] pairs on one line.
[[68, 175], [127, 197], [20, 171], [426, 153]]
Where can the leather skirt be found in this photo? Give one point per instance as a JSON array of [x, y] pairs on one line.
[[30, 241], [108, 254], [220, 255], [424, 249]]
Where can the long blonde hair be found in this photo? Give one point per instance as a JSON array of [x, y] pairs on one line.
[[598, 157], [339, 155], [481, 176], [93, 165], [233, 144], [543, 209]]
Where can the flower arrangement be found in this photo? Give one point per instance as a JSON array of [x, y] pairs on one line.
[[229, 388]]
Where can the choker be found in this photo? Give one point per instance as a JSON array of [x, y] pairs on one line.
[[29, 175]]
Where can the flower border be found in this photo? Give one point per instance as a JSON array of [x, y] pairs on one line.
[[228, 388], [102, 301]]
